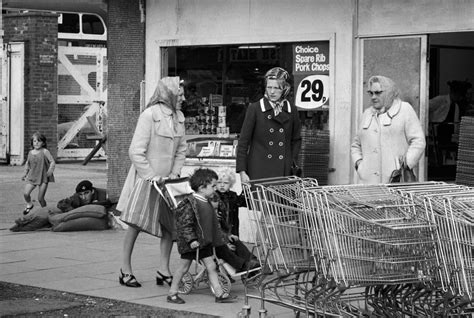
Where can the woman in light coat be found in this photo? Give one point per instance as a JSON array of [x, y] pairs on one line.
[[389, 131], [157, 151]]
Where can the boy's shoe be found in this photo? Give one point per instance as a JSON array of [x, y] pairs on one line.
[[175, 299], [225, 298]]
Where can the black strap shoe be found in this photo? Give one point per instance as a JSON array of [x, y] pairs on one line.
[[128, 280], [175, 299]]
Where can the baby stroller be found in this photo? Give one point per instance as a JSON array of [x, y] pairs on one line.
[[172, 192]]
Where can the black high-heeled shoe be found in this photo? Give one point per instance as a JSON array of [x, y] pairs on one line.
[[128, 280], [163, 279]]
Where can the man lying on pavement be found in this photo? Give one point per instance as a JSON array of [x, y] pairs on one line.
[[85, 210]]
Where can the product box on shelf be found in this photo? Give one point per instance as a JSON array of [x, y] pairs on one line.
[[210, 147]]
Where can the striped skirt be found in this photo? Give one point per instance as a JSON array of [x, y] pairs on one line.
[[147, 210]]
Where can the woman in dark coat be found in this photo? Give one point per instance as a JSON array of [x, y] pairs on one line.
[[270, 139]]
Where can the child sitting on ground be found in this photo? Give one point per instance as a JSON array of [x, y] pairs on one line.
[[198, 231]]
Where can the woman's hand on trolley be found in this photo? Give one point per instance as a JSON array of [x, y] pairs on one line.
[[156, 179], [244, 177], [194, 244], [173, 176]]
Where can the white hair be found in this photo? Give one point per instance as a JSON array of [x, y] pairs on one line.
[[226, 172]]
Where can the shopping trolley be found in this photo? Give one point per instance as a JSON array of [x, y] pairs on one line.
[[453, 214], [369, 238], [450, 208], [402, 250], [172, 192], [281, 244]]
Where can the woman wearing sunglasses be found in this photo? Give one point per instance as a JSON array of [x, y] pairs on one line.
[[390, 134]]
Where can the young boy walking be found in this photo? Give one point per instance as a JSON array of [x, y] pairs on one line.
[[198, 232]]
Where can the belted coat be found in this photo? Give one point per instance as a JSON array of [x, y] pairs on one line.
[[268, 144], [383, 138]]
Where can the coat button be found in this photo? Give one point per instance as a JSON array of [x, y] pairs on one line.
[[271, 143], [269, 156], [280, 143], [280, 157], [269, 116], [272, 130], [281, 130]]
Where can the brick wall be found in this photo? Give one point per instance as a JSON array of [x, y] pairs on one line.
[[126, 69], [39, 33]]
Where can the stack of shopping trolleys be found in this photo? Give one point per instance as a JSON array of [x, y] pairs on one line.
[[403, 250]]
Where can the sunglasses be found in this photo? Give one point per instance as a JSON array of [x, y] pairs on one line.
[[376, 93]]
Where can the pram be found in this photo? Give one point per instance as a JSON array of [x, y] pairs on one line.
[[173, 191]]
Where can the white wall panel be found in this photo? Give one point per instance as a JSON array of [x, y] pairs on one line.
[[397, 17]]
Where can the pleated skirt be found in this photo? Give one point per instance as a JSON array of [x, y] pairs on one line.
[[147, 210]]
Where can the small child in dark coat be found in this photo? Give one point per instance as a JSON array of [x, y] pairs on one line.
[[197, 228], [231, 199], [228, 215]]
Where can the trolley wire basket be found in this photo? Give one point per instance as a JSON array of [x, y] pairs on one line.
[[281, 237], [364, 250], [403, 250], [454, 216], [450, 208]]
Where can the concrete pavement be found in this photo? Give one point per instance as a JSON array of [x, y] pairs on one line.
[[88, 262]]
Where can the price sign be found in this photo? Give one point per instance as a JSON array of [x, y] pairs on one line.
[[312, 91], [311, 74]]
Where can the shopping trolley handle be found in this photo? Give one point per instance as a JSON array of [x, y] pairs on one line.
[[273, 181], [168, 180]]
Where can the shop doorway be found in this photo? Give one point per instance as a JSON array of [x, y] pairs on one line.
[[403, 59], [451, 73]]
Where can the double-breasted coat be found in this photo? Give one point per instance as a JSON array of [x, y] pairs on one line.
[[383, 138], [268, 144]]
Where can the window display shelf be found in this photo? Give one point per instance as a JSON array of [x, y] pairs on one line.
[[212, 147]]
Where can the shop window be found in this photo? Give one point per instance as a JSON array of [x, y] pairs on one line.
[[232, 76], [222, 81]]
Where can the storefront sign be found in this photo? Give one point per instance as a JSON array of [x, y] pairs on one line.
[[249, 53], [311, 74]]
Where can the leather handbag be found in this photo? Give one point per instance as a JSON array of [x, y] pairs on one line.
[[404, 174]]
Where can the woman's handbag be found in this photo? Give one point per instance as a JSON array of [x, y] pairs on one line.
[[404, 174]]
